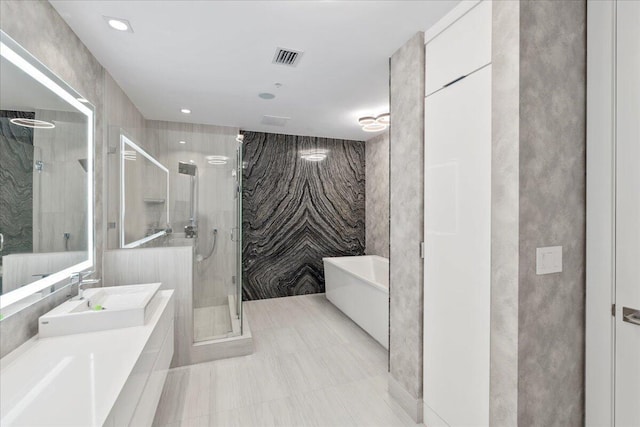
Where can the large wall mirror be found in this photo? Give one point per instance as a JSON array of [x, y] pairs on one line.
[[144, 196], [46, 171]]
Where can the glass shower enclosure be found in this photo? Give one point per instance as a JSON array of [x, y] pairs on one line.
[[207, 213], [205, 210]]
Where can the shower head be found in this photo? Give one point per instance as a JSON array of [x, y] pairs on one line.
[[187, 168], [83, 163]]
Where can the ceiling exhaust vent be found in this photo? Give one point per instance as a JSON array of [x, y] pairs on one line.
[[274, 120], [287, 57]]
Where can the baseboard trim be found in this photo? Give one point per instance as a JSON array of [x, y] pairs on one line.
[[411, 405]]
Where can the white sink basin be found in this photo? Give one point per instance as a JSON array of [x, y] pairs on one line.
[[101, 309]]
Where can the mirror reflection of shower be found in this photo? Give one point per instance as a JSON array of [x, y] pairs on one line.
[[191, 230]]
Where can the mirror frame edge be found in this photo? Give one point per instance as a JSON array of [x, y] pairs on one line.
[[126, 140]]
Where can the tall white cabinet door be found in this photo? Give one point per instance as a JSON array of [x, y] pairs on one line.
[[457, 252], [627, 390], [461, 49]]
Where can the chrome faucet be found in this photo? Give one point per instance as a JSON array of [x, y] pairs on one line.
[[80, 275]]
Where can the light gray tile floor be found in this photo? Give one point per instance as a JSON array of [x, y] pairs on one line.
[[312, 366]]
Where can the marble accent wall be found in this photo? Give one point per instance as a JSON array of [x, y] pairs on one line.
[[552, 212], [295, 211], [407, 226], [377, 195], [16, 191]]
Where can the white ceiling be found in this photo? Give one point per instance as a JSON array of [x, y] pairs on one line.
[[215, 57]]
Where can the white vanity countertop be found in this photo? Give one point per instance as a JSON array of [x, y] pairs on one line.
[[71, 380]]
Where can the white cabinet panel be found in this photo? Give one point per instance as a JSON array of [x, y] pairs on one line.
[[146, 409], [599, 251], [462, 48], [136, 386], [458, 251], [627, 390]]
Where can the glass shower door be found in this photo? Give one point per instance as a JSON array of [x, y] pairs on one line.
[[238, 235], [217, 279]]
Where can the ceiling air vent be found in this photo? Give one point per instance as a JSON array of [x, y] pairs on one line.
[[287, 57], [274, 120]]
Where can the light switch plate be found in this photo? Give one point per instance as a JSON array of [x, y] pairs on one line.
[[549, 260]]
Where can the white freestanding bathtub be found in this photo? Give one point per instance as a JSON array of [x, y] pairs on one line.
[[359, 287]]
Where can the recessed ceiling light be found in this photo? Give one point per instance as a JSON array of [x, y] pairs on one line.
[[32, 123], [362, 121], [185, 111], [118, 24], [182, 142], [373, 127], [266, 95]]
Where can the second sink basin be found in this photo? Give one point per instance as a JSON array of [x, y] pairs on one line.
[[101, 309]]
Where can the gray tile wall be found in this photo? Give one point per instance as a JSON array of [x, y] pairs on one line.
[[505, 193], [552, 212], [122, 115], [377, 195], [406, 213]]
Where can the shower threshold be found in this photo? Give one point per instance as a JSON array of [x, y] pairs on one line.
[[226, 345], [216, 322]]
